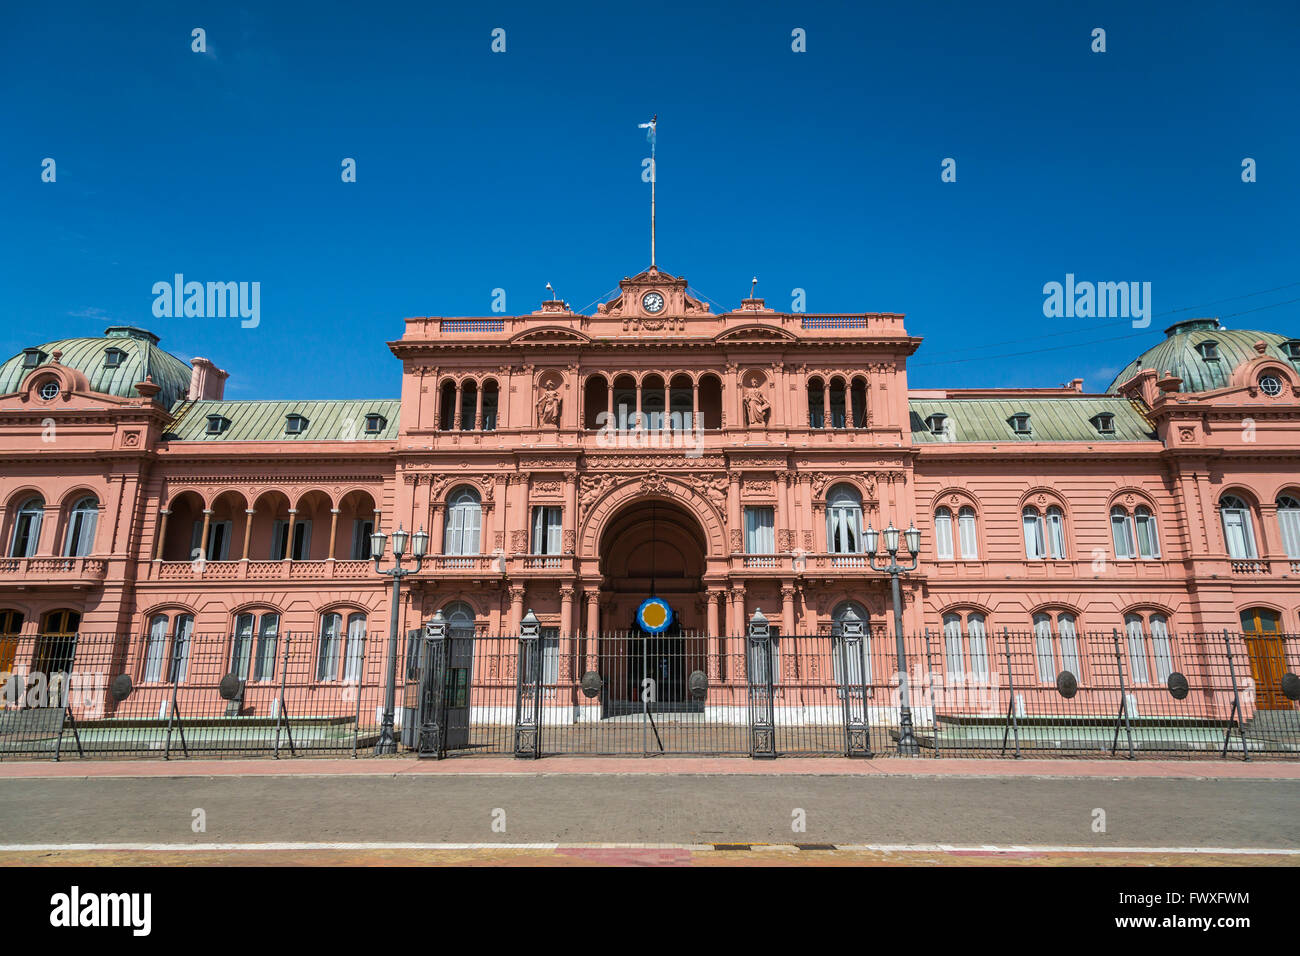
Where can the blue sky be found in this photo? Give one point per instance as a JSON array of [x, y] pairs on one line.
[[817, 170]]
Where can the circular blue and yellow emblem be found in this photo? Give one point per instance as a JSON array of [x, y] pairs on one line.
[[654, 615]]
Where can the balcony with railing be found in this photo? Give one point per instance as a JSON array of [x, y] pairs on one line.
[[53, 572], [285, 570]]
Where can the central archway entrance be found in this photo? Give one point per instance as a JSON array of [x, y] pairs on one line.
[[651, 546]]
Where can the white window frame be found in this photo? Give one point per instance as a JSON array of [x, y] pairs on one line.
[[83, 519], [27, 528], [1031, 520], [760, 529], [462, 534], [968, 533], [943, 538], [843, 520], [1288, 525], [548, 523], [1235, 517]]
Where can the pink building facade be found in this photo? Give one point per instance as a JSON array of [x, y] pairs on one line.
[[571, 465]]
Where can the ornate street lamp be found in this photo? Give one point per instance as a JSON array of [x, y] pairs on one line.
[[907, 743], [387, 743]]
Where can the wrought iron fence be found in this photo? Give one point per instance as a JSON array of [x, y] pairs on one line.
[[283, 694], [764, 694]]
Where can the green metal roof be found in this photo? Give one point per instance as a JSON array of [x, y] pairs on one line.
[[142, 357], [1050, 419], [1177, 354], [331, 420]]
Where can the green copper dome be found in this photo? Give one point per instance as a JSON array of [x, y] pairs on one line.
[[1204, 354], [136, 355]]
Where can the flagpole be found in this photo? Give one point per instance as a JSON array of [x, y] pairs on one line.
[[654, 175]]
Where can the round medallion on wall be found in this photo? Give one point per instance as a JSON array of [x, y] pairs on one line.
[[653, 302], [654, 615]]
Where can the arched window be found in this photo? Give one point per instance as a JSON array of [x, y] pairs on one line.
[[1134, 536], [1035, 538], [943, 550], [80, 539], [27, 528], [261, 655], [491, 396], [1149, 650], [844, 520], [468, 404], [1055, 533], [966, 534], [447, 406], [156, 650], [1238, 532], [816, 404], [464, 516], [965, 649], [1288, 522], [460, 619], [851, 647], [838, 415], [337, 646], [1053, 632]]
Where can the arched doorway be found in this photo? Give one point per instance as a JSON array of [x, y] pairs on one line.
[[651, 547]]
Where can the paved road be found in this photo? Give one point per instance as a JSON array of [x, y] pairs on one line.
[[651, 808]]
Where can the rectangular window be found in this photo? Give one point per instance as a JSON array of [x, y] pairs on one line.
[[362, 529], [1069, 646], [327, 655], [302, 540], [355, 651], [155, 648], [546, 529], [979, 647], [1035, 549], [81, 535], [1056, 533], [27, 531], [264, 668], [1119, 531], [279, 540], [943, 535], [1236, 531], [1137, 649], [953, 652], [180, 661], [760, 536], [241, 646], [1161, 649], [1043, 648], [966, 527], [218, 541], [1288, 520]]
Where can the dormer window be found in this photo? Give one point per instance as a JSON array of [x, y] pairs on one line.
[[938, 424], [1209, 351], [1292, 349], [375, 423], [1020, 423], [1104, 422], [217, 424], [33, 358], [294, 425], [113, 358]]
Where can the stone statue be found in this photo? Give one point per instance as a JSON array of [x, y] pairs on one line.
[[757, 408], [548, 406]]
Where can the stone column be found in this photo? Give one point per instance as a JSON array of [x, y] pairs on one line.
[[203, 535], [439, 527], [162, 534], [569, 544], [478, 408], [248, 530], [288, 534], [593, 620], [516, 607], [334, 525], [787, 607], [455, 412], [566, 611]]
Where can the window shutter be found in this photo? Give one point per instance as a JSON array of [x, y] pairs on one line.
[[473, 517], [1288, 520], [553, 531], [1069, 645], [943, 534], [1137, 652], [1043, 648], [979, 649]]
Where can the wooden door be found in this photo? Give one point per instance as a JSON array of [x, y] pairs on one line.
[[1262, 630]]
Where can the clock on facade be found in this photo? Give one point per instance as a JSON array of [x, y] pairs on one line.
[[652, 302]]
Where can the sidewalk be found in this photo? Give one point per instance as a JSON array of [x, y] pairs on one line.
[[818, 766]]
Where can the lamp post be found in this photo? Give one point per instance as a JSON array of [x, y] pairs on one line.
[[907, 744], [387, 743]]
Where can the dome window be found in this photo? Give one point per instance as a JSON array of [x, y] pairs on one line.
[[1292, 349], [217, 424], [938, 424], [50, 390], [1020, 423], [1104, 422], [1209, 351], [113, 358], [1270, 385], [375, 423], [33, 358], [294, 424]]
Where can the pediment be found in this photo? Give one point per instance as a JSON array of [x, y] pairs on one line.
[[550, 335], [754, 334]]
